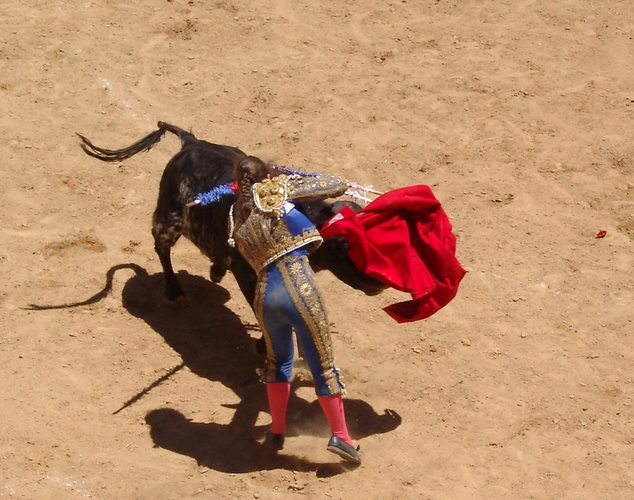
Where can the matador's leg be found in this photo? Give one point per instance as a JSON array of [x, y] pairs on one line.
[[310, 322], [270, 303]]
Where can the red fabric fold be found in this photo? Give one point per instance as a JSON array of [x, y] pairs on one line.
[[404, 239]]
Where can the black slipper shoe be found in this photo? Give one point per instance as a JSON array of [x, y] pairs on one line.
[[344, 450]]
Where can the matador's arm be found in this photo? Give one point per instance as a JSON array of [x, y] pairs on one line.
[[315, 188]]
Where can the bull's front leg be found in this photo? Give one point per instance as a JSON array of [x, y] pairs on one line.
[[218, 269]]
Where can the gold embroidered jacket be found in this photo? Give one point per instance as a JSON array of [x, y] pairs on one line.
[[269, 233]]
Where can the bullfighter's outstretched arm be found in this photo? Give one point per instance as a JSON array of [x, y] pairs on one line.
[[312, 188]]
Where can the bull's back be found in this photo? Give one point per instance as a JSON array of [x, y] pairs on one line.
[[196, 169]]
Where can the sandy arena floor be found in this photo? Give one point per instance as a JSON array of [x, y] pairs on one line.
[[518, 114]]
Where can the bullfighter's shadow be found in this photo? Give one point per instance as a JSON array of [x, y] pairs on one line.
[[214, 343]]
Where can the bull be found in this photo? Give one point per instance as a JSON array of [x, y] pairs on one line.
[[199, 167]]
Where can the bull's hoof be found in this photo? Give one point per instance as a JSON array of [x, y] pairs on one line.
[[180, 302], [216, 273], [260, 346]]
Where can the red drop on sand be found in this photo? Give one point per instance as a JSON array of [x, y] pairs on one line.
[[601, 234]]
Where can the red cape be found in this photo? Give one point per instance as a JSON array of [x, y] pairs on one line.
[[404, 239]]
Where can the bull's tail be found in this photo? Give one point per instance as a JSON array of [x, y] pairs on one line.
[[144, 144]]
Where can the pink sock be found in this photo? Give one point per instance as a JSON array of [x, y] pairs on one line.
[[278, 393], [333, 408]]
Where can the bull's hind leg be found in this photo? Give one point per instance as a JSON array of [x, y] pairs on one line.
[[165, 237]]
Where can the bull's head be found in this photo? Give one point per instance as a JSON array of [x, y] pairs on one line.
[[333, 253]]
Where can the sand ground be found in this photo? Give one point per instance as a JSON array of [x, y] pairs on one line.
[[519, 114]]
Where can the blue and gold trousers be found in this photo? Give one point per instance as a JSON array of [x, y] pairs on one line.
[[287, 300]]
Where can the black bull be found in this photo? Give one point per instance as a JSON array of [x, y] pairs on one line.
[[198, 167]]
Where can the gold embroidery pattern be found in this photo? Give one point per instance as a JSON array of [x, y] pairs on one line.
[[262, 239], [258, 307], [270, 195], [308, 188], [296, 275]]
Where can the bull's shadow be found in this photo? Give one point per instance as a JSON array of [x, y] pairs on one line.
[[215, 344]]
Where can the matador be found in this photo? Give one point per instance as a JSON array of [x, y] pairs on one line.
[[275, 237]]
